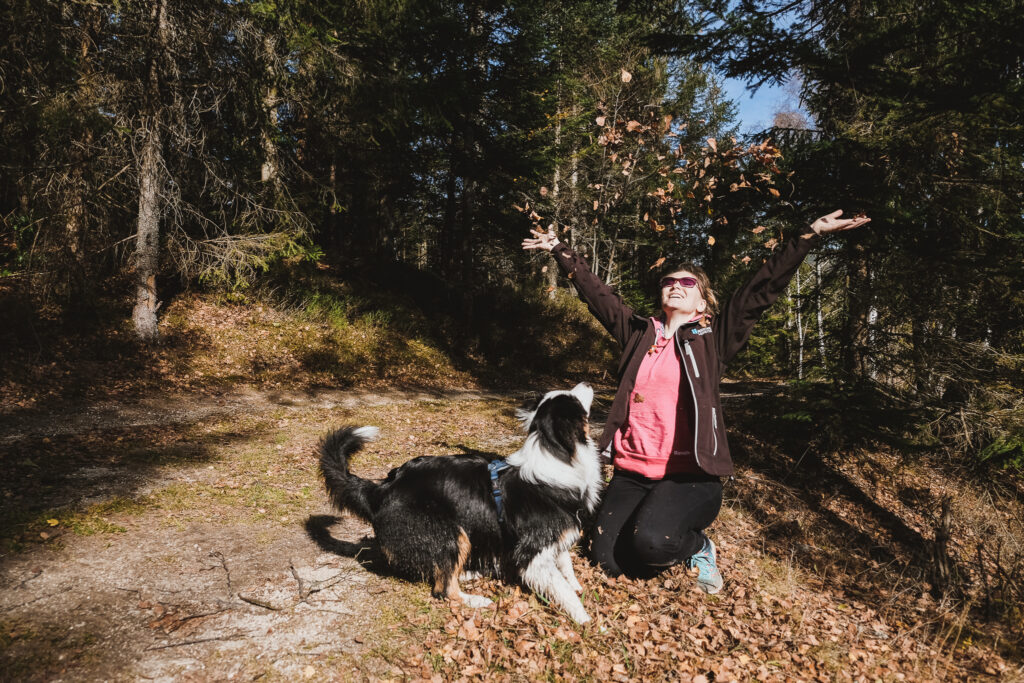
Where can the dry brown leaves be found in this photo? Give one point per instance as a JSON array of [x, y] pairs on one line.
[[665, 628]]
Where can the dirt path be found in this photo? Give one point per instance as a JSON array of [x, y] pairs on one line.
[[223, 564]]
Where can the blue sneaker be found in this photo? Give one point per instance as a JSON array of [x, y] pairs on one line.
[[709, 579]]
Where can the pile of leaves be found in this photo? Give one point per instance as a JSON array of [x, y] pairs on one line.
[[768, 623]]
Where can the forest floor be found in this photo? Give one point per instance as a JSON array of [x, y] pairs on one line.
[[178, 530], [189, 538]]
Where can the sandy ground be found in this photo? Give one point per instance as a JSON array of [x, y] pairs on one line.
[[207, 602], [203, 600]]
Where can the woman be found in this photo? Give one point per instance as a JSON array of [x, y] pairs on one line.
[[665, 424]]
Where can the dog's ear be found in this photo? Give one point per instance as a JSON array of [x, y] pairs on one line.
[[584, 393], [526, 411]]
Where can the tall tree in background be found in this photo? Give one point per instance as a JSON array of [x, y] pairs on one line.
[[150, 169]]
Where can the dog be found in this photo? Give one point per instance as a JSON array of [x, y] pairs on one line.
[[443, 518]]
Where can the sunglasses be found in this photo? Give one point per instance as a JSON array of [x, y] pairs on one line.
[[683, 282]]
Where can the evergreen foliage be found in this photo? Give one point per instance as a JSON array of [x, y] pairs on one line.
[[372, 134], [917, 112]]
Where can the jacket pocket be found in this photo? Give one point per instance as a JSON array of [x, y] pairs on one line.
[[714, 430], [693, 359]]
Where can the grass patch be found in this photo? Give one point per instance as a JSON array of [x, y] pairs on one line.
[[22, 531]]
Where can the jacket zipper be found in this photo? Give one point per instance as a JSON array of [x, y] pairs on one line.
[[693, 392]]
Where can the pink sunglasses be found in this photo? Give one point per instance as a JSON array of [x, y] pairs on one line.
[[683, 281]]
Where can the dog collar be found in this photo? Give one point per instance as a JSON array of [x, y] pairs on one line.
[[496, 467]]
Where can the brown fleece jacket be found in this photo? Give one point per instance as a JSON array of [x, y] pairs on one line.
[[704, 350]]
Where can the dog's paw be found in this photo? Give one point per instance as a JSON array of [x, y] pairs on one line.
[[471, 575], [580, 617], [575, 585], [474, 601]]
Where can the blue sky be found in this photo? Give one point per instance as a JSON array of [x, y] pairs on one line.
[[755, 109]]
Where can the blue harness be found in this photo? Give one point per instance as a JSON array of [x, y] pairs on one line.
[[496, 467]]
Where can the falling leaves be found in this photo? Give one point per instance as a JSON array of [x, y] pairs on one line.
[[626, 76], [758, 230], [657, 263], [711, 241], [772, 243], [683, 177]]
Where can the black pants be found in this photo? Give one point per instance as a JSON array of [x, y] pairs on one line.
[[645, 525]]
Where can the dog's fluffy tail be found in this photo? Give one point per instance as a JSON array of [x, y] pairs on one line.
[[347, 491]]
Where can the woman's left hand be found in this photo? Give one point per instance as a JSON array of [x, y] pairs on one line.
[[833, 223]]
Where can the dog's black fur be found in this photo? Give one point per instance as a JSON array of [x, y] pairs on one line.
[[435, 518]]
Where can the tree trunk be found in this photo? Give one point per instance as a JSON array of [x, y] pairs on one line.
[[855, 328], [788, 338], [821, 323], [556, 182], [75, 216], [269, 172], [448, 240], [147, 242], [799, 330]]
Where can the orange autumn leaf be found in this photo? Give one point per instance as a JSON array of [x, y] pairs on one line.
[[657, 263], [773, 192], [713, 144], [758, 230], [626, 76], [599, 120], [711, 241]]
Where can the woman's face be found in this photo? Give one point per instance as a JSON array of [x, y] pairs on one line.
[[678, 297]]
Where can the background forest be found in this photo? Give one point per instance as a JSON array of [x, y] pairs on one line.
[[376, 165], [150, 146]]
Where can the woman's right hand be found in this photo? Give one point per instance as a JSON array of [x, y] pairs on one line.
[[541, 240]]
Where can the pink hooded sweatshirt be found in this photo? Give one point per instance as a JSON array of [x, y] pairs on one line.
[[657, 438]]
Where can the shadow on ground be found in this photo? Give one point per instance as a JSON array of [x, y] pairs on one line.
[[49, 470], [809, 506]]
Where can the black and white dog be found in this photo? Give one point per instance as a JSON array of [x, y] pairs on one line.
[[445, 517]]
